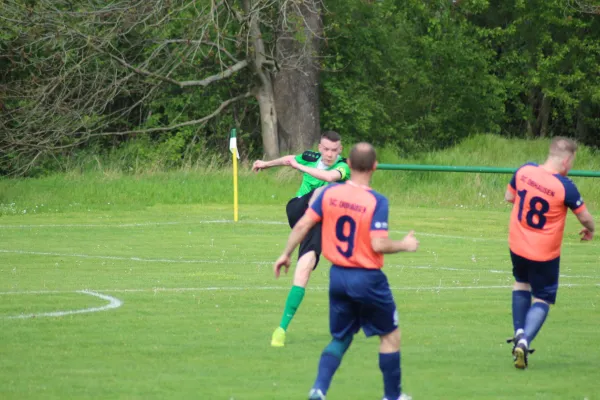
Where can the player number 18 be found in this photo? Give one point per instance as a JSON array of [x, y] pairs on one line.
[[537, 207]]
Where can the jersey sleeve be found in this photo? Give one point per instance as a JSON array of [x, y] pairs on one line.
[[512, 186], [379, 223], [308, 157], [344, 170], [316, 210], [573, 198]]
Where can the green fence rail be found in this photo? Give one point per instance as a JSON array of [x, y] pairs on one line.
[[483, 170]]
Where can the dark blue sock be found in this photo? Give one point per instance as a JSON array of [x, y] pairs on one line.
[[535, 319], [328, 364], [331, 359], [389, 363], [521, 301]]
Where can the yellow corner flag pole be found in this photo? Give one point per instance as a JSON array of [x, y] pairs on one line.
[[236, 156]]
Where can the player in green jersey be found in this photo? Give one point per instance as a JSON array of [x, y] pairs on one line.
[[319, 168]]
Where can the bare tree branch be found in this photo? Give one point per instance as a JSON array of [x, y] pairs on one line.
[[201, 42], [229, 71], [584, 6], [181, 125], [78, 70]]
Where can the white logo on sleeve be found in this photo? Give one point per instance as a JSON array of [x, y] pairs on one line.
[[380, 225], [579, 202]]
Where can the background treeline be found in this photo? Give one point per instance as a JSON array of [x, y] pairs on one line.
[[158, 84]]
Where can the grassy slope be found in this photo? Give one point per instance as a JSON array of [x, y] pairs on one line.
[[107, 189]]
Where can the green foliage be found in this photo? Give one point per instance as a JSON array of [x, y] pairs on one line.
[[407, 74], [411, 75], [546, 49]]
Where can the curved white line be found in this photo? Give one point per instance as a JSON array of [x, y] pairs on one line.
[[113, 303]]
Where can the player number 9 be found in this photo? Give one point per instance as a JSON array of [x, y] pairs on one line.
[[340, 229]]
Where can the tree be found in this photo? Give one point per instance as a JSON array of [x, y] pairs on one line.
[[296, 83], [547, 57], [408, 74], [79, 70]]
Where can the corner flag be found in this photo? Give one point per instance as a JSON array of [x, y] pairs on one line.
[[236, 156], [233, 143]]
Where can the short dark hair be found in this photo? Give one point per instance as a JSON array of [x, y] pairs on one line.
[[362, 157], [331, 135], [561, 146]]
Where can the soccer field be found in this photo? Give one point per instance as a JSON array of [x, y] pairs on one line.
[[175, 302]]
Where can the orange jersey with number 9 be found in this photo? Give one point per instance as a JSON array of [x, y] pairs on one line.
[[351, 215], [537, 221]]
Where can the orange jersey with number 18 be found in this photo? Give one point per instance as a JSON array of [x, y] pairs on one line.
[[351, 215], [537, 221]]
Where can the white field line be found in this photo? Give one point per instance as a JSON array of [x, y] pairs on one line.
[[508, 271], [218, 221], [440, 235], [112, 303], [227, 221], [246, 288], [195, 261], [137, 259]]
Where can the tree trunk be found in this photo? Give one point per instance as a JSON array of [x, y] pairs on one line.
[[529, 132], [264, 91], [531, 120], [544, 116], [581, 128], [268, 121], [296, 83]]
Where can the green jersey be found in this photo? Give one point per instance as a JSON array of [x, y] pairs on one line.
[[313, 159]]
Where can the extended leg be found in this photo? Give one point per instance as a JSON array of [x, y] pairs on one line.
[[308, 257], [305, 266]]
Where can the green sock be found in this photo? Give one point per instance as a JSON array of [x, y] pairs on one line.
[[291, 305]]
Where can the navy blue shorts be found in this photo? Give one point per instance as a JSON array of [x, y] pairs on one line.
[[360, 298], [541, 275]]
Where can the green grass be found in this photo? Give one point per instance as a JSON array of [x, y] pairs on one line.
[[200, 303], [106, 188]]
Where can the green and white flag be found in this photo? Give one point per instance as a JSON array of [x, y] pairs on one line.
[[233, 143]]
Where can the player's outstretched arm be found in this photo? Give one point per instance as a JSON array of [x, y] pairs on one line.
[[326, 176], [278, 162], [589, 226], [388, 246], [296, 236]]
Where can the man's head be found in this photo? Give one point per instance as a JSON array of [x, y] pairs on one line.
[[562, 154], [363, 158], [330, 147]]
